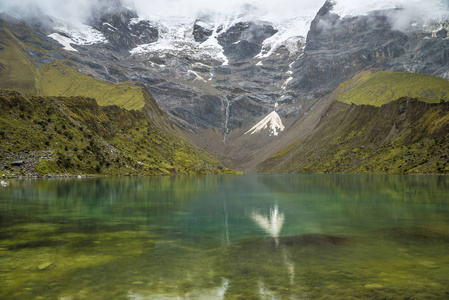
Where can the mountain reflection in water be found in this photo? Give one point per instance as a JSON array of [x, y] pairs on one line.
[[226, 237], [272, 224]]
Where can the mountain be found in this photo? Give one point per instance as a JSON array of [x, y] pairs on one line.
[[49, 128], [236, 84], [338, 48], [405, 136], [74, 135]]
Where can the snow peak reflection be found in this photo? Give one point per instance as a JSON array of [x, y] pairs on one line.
[[271, 225]]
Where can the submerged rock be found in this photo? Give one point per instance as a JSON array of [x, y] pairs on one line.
[[429, 264], [45, 266], [312, 239], [428, 234], [302, 240], [37, 244], [373, 286]]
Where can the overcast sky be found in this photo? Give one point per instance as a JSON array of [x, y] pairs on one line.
[[76, 8], [279, 8], [271, 9]]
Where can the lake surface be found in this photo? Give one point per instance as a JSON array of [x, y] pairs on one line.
[[226, 237]]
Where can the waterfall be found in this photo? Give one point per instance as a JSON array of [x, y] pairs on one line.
[[226, 112]]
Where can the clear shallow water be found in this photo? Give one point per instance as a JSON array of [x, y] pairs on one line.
[[226, 237]]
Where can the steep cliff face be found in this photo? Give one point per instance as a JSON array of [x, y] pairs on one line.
[[338, 48], [215, 69], [205, 73], [120, 25], [243, 40]]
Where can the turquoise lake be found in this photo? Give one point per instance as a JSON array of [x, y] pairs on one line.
[[226, 237]]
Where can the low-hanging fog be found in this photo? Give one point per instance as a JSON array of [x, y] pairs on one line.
[[275, 11]]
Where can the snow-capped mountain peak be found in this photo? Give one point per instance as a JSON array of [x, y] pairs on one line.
[[176, 38]]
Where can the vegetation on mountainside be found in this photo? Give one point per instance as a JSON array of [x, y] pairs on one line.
[[75, 135], [406, 136], [59, 79], [59, 135], [16, 68], [26, 66], [383, 87]]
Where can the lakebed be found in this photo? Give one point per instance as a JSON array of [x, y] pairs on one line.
[[226, 237]]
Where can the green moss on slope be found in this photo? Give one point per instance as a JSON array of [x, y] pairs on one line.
[[376, 134], [16, 69], [75, 135], [406, 136], [383, 87], [59, 79]]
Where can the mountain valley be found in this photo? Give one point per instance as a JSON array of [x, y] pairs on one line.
[[324, 92]]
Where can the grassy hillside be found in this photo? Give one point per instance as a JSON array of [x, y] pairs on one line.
[[74, 135], [27, 66], [59, 79], [405, 136], [383, 87], [16, 68]]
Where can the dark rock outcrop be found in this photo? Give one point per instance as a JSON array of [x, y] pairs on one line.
[[114, 21], [337, 48], [200, 33], [244, 40]]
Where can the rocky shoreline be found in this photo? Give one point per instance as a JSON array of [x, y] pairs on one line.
[[47, 176]]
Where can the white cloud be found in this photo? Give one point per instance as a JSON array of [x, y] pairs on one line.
[[267, 9], [73, 9], [70, 10], [430, 8], [285, 9]]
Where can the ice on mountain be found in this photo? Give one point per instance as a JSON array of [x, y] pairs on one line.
[[110, 27], [175, 37], [284, 86], [65, 41], [205, 25], [79, 34], [198, 77], [407, 11], [272, 122], [291, 35]]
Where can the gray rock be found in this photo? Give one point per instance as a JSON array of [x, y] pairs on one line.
[[337, 49], [244, 40], [200, 33]]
